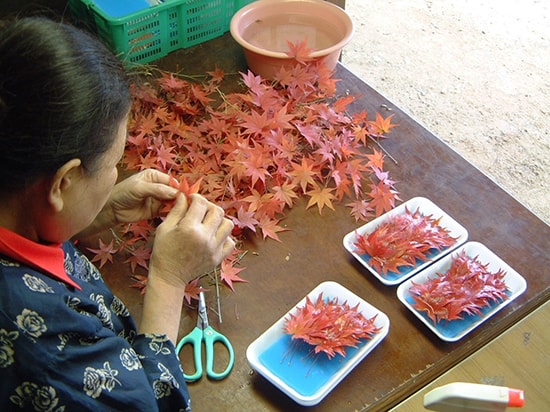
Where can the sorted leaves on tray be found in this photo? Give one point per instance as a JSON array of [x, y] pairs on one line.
[[329, 326], [402, 241], [464, 289]]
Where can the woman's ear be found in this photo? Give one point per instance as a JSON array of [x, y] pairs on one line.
[[62, 182]]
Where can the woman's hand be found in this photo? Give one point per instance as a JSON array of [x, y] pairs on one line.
[[193, 239], [139, 197]]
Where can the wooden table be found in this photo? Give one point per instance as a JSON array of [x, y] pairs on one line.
[[525, 346], [280, 274]]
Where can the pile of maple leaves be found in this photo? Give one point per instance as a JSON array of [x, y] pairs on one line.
[[255, 151], [464, 289]]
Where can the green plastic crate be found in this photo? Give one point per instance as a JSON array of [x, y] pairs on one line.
[[152, 33]]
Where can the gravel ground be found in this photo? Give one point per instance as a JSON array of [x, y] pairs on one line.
[[475, 73]]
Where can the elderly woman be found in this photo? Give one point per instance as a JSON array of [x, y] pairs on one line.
[[66, 342]]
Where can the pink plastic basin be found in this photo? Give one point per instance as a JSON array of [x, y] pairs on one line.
[[263, 28]]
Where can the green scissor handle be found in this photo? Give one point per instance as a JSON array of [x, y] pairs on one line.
[[210, 337], [195, 340]]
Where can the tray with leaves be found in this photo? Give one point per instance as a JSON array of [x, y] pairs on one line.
[[307, 372], [461, 291], [405, 240]]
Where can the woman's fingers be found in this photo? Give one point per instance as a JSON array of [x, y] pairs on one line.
[[178, 212]]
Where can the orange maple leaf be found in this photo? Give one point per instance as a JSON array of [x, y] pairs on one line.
[[270, 228], [382, 126], [341, 104], [383, 197], [285, 193], [321, 197], [303, 173], [376, 159]]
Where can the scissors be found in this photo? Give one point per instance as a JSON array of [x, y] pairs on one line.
[[205, 333]]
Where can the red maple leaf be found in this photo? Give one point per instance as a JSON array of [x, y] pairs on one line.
[[383, 197], [361, 209], [329, 326], [230, 273], [217, 75], [165, 156], [192, 290], [256, 123], [139, 257], [299, 51], [171, 83], [105, 252], [256, 150], [140, 282], [245, 219]]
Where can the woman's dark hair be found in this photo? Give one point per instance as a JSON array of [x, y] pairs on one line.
[[62, 96]]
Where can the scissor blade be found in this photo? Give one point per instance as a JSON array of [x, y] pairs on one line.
[[202, 320]]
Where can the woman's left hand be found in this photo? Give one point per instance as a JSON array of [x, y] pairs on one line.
[[140, 196]]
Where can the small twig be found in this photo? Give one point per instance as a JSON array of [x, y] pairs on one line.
[[236, 312], [218, 299]]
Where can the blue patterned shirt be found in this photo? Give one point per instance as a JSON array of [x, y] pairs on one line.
[[63, 349]]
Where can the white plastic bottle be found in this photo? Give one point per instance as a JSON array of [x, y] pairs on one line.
[[461, 397]]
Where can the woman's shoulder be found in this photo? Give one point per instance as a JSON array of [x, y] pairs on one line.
[[24, 289]]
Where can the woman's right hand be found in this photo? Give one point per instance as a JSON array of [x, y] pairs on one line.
[[193, 239]]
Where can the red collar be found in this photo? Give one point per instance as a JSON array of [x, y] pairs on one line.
[[49, 258]]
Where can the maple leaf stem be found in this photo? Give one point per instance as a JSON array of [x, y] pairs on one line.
[[152, 70], [218, 299]]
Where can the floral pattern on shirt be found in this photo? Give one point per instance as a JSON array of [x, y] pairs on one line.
[[65, 349], [41, 398], [96, 380], [31, 323], [7, 340], [36, 284]]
